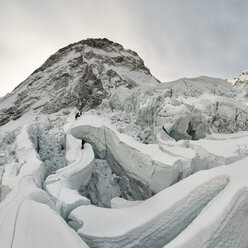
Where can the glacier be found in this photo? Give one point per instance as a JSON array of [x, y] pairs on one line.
[[164, 164]]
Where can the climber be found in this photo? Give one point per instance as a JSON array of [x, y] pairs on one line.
[[165, 130], [77, 115], [83, 142]]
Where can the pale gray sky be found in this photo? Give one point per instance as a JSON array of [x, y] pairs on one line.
[[175, 38]]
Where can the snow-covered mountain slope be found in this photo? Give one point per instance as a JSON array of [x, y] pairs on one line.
[[164, 164], [79, 75], [197, 86]]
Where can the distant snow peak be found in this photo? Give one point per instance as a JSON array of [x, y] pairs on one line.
[[241, 80]]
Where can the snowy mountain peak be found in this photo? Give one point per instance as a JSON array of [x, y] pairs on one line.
[[78, 75], [97, 50]]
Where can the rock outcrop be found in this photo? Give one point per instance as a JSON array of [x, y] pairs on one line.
[[241, 80]]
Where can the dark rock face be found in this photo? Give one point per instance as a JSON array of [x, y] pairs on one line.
[[79, 75]]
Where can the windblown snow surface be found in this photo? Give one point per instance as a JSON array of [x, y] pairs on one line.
[[165, 165]]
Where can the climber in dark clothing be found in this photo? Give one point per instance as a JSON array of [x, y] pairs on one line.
[[164, 130], [77, 115], [83, 142]]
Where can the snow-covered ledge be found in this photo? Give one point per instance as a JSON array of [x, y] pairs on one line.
[[145, 163]]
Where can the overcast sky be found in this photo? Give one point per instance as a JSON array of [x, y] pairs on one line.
[[175, 38]]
